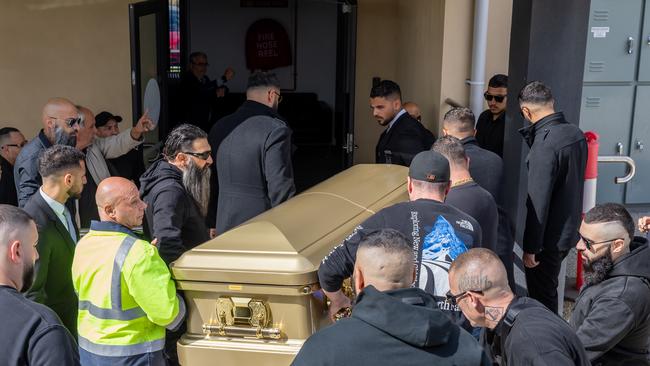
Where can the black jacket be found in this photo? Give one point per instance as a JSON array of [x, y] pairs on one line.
[[612, 318], [32, 334], [53, 272], [8, 193], [218, 133], [485, 167], [556, 171], [172, 215], [399, 327], [26, 175], [438, 232], [403, 141], [537, 337], [489, 132], [254, 169]]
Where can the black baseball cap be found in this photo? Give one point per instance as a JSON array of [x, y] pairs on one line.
[[103, 117], [429, 166]]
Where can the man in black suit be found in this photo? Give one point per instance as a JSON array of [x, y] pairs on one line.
[[64, 175], [404, 136], [252, 149], [11, 142]]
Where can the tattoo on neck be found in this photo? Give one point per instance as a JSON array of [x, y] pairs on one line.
[[493, 313], [478, 282]]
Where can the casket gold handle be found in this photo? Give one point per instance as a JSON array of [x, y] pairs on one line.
[[250, 320]]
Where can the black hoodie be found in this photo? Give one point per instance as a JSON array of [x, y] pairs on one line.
[[612, 318], [398, 327], [172, 215]]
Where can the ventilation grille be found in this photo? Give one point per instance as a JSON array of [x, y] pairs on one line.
[[596, 66], [601, 15], [592, 102]]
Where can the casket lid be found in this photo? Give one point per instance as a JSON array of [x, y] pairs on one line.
[[285, 245]]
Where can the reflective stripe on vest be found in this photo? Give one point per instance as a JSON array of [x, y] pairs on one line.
[[121, 350], [115, 312]]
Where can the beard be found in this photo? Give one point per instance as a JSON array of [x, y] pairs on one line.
[[63, 138], [28, 277], [596, 271], [197, 183]]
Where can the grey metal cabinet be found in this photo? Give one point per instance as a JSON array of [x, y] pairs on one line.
[[613, 40], [644, 61], [607, 110], [638, 189]]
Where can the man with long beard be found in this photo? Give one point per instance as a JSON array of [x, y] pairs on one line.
[[32, 333], [612, 314], [176, 190], [61, 123]]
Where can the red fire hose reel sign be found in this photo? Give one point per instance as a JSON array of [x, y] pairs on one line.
[[267, 46]]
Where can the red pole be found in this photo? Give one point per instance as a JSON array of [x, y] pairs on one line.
[[589, 195]]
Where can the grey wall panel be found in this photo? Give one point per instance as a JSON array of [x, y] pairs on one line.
[[613, 30], [638, 189], [644, 63], [607, 110]]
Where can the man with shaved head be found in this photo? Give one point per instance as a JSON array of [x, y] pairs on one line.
[[612, 313], [97, 150], [391, 320], [61, 123], [126, 295], [520, 330]]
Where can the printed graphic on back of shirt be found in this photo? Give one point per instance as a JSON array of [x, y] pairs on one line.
[[440, 247]]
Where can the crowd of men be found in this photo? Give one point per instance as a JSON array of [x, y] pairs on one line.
[[433, 276]]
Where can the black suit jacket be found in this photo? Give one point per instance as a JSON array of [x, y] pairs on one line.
[[53, 273], [403, 141]]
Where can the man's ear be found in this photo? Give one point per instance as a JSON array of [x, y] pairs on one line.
[[413, 274], [409, 185], [448, 188], [359, 282], [67, 179], [618, 245], [445, 132], [13, 254], [474, 134]]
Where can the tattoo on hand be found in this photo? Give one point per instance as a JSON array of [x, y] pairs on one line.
[[493, 314]]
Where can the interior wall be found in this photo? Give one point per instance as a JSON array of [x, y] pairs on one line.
[[74, 49], [426, 47], [218, 28]]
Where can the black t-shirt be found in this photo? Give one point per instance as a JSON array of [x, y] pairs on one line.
[[438, 232], [478, 203], [489, 132], [32, 334], [8, 193]]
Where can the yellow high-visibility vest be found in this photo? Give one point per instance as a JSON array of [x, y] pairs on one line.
[[126, 295]]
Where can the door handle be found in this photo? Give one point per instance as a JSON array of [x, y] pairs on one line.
[[648, 40], [639, 145], [630, 45], [619, 148]]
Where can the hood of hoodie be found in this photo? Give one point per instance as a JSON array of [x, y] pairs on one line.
[[636, 263], [410, 315], [158, 172]]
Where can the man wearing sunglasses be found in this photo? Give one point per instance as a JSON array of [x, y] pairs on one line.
[[11, 142], [556, 171], [491, 123], [612, 313], [61, 124], [519, 330]]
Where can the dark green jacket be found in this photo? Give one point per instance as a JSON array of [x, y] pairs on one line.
[[53, 277]]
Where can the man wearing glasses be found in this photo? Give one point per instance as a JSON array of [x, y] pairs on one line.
[[491, 123], [61, 123], [519, 330], [11, 142], [612, 313]]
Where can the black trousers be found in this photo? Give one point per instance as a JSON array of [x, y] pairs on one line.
[[542, 280]]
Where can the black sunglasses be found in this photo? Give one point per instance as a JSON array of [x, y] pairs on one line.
[[453, 299], [22, 144], [70, 122], [590, 243], [498, 98], [202, 155]]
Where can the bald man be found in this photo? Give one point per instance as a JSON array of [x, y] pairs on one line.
[[61, 123], [110, 260], [391, 320], [97, 150], [413, 110], [521, 331]]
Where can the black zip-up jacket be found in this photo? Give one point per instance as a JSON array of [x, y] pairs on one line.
[[537, 337], [398, 327], [172, 216], [556, 172], [612, 318]]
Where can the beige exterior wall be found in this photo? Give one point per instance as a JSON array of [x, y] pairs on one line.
[[426, 47], [74, 49]]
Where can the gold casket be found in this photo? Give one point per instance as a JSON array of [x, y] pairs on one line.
[[252, 293]]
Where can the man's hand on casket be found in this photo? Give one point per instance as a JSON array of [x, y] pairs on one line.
[[338, 301]]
